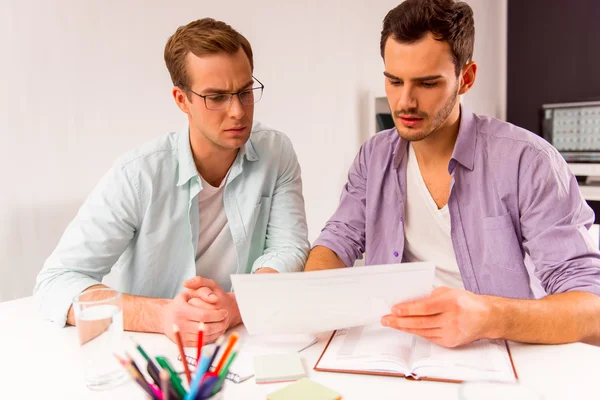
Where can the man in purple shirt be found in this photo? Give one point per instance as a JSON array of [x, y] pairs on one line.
[[470, 193]]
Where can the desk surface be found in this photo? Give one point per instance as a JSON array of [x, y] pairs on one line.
[[42, 361]]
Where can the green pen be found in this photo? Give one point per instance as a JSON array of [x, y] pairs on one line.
[[224, 371], [145, 355], [175, 380]]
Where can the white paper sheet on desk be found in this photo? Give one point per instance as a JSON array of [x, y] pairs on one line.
[[310, 302]]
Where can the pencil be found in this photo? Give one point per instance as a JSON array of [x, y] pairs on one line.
[[200, 343], [146, 357], [186, 368], [225, 370], [135, 375], [220, 341], [174, 377], [164, 384], [134, 365], [147, 389], [233, 338]]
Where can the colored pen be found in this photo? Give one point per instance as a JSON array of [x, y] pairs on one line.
[[155, 374], [233, 338], [197, 379], [175, 380], [220, 341], [165, 385], [224, 371], [145, 355], [137, 377], [186, 368], [207, 387], [157, 392], [200, 343]]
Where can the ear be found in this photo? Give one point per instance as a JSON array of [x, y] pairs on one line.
[[468, 74], [181, 99]]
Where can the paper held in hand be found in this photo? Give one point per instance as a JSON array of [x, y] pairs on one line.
[[311, 302]]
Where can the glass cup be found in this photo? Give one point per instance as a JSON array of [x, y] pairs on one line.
[[99, 320], [496, 391]]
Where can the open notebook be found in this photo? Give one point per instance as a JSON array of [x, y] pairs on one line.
[[377, 350]]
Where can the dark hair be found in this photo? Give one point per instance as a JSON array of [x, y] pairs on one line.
[[448, 21]]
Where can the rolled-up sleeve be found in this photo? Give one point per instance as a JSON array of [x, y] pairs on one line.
[[344, 233], [91, 244], [555, 220], [286, 243]]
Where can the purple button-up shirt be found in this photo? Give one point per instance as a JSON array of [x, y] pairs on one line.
[[512, 193]]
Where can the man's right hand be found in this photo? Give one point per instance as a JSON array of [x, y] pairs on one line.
[[187, 317]]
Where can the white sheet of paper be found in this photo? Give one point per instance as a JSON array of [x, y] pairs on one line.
[[311, 302]]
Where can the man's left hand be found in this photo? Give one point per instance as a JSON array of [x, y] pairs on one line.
[[448, 317], [207, 294]]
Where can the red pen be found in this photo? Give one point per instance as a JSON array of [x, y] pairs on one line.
[[200, 342]]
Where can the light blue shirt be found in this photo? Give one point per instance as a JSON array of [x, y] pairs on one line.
[[142, 222]]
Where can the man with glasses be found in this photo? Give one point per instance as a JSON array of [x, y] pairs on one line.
[[173, 219]]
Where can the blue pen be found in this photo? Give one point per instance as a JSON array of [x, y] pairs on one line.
[[207, 388], [199, 374]]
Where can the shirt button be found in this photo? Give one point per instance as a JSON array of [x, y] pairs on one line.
[[395, 254]]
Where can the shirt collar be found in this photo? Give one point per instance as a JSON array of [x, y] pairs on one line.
[[187, 166], [464, 148]]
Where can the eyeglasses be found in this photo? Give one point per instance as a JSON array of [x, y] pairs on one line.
[[222, 101]]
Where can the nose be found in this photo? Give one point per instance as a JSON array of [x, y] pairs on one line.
[[236, 108], [407, 100]]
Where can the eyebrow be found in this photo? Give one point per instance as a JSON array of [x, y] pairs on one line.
[[220, 91], [419, 79]]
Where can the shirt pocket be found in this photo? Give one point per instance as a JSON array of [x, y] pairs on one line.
[[502, 247]]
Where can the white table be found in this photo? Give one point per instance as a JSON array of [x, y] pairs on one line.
[[40, 360]]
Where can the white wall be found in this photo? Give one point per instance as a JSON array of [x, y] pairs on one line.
[[83, 81], [488, 95]]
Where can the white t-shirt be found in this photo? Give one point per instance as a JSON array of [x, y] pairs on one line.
[[427, 228], [216, 257]]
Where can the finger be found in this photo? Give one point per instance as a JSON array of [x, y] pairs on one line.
[[428, 306], [189, 332], [445, 342], [189, 339], [197, 282], [213, 337], [196, 302], [206, 294], [215, 329], [421, 322], [427, 333], [191, 313], [266, 270]]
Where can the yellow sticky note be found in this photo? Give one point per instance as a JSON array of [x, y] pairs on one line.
[[304, 389]]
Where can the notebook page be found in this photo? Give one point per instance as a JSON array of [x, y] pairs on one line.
[[480, 360], [369, 348]]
